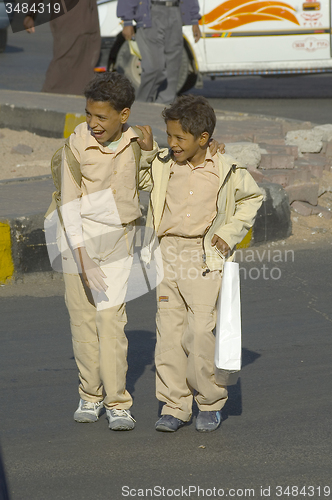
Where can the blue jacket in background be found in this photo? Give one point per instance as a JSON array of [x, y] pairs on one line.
[[139, 11]]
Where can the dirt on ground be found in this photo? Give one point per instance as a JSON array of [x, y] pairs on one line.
[[37, 162], [310, 231]]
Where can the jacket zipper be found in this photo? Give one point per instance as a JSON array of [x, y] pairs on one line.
[[227, 176]]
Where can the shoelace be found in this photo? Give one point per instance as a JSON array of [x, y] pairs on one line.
[[123, 413], [87, 405]]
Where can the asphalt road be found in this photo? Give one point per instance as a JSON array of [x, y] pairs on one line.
[[307, 98], [277, 422], [276, 428]]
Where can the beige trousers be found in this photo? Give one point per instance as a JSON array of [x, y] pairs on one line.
[[186, 318], [97, 321]]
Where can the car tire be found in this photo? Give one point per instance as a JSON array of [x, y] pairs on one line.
[[130, 65], [3, 39]]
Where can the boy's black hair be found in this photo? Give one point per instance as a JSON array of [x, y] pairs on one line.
[[194, 114], [113, 88]]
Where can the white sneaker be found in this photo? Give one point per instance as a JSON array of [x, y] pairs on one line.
[[88, 412], [120, 420]]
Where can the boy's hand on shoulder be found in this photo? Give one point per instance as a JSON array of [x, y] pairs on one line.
[[216, 146], [221, 245], [147, 142], [29, 24], [92, 275]]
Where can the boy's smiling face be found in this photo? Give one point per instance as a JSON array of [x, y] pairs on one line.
[[184, 145], [104, 121]]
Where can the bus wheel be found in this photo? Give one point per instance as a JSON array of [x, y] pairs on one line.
[[188, 75], [129, 65]]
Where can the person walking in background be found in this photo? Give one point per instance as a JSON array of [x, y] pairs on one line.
[[76, 46], [159, 38]]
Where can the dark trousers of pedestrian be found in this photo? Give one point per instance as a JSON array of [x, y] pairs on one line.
[[161, 48]]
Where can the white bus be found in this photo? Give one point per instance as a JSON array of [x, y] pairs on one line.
[[239, 37]]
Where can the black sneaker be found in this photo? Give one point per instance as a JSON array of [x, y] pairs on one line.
[[208, 421], [168, 423]]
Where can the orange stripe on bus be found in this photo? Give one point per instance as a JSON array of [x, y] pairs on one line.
[[239, 6]]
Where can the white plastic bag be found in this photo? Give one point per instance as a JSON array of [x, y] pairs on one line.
[[228, 327]]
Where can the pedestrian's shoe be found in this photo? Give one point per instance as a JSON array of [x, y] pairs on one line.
[[120, 420], [168, 423], [88, 412], [208, 421]]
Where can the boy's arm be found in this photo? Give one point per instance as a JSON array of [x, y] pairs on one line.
[[248, 199], [71, 195], [149, 149]]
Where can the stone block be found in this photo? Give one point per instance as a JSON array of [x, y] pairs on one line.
[[279, 149], [308, 141], [325, 183], [247, 153], [328, 151], [303, 191], [315, 165], [286, 177], [257, 175], [274, 161], [302, 208], [306, 209], [324, 212], [325, 131], [287, 126]]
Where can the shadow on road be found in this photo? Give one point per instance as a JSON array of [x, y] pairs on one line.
[[4, 493], [140, 354], [234, 403]]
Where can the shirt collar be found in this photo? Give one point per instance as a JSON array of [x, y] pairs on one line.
[[127, 137], [208, 158]]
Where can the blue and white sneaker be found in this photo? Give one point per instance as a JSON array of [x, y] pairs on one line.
[[88, 412], [208, 421], [168, 423]]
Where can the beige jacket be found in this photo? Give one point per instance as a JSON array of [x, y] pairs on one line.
[[237, 205]]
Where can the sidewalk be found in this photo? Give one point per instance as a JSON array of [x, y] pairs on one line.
[[281, 174]]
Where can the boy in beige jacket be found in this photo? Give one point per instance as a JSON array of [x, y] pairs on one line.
[[201, 206]]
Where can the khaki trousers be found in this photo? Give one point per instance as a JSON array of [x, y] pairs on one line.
[[186, 318], [98, 320]]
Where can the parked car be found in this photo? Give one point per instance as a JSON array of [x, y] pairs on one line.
[[5, 19], [239, 37]]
